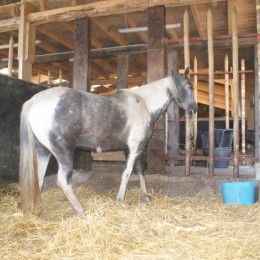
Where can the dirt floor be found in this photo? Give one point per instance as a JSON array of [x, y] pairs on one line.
[[107, 176], [190, 223]]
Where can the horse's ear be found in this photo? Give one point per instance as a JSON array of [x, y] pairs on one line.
[[186, 72]]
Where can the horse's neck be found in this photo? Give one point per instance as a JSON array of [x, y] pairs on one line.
[[156, 96]]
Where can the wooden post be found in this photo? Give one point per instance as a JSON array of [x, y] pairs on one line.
[[122, 71], [49, 77], [10, 55], [60, 78], [82, 46], [195, 92], [235, 93], [26, 48], [39, 78], [187, 117], [257, 94], [226, 92], [173, 114], [243, 107], [156, 70], [211, 93], [81, 76]]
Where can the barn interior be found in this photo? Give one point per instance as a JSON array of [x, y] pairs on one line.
[[41, 41], [102, 47]]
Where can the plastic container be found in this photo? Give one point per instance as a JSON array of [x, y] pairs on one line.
[[222, 138], [219, 152], [236, 193], [223, 145]]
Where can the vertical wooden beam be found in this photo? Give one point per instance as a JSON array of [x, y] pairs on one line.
[[43, 5], [156, 70], [49, 77], [230, 5], [226, 92], [243, 107], [60, 78], [26, 48], [211, 93], [173, 114], [235, 93], [257, 93], [82, 47], [81, 76], [187, 117], [122, 71], [10, 55], [195, 93], [39, 78]]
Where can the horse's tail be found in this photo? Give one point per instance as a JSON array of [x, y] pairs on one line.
[[28, 175]]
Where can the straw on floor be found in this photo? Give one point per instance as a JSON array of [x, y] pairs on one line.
[[198, 227]]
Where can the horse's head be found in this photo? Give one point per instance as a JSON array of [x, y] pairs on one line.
[[184, 96]]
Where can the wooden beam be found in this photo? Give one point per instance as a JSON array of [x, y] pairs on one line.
[[81, 77], [56, 36], [104, 8], [171, 20], [10, 55], [81, 65], [114, 35], [43, 5], [188, 121], [156, 70], [198, 20], [173, 113], [132, 22], [130, 80], [122, 71], [257, 92], [243, 107], [217, 99], [26, 49], [195, 93], [235, 93], [10, 24], [95, 53], [211, 92], [226, 92], [230, 5]]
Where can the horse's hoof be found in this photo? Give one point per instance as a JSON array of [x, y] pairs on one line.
[[145, 198], [81, 212], [119, 199]]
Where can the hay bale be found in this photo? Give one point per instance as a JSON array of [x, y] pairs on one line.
[[200, 227]]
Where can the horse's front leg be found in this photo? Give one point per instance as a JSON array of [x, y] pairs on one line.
[[140, 168], [126, 175]]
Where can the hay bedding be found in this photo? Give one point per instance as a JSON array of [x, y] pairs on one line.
[[166, 228]]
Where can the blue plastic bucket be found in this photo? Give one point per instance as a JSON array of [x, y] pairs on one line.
[[238, 192]]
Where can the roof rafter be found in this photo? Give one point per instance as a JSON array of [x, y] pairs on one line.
[[104, 8]]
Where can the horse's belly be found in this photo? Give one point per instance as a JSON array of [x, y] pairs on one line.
[[91, 143]]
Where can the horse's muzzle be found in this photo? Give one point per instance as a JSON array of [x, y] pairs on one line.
[[192, 110]]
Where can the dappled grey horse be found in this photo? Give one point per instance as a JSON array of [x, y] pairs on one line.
[[57, 120]]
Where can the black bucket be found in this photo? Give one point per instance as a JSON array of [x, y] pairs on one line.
[[223, 145], [219, 152]]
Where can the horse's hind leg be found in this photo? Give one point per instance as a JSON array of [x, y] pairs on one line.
[[64, 181], [43, 156]]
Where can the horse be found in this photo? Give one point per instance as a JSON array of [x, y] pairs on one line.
[[58, 120]]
